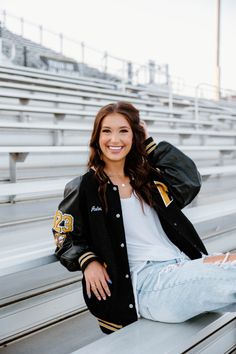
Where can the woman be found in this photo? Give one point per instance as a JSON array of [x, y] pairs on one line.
[[121, 224]]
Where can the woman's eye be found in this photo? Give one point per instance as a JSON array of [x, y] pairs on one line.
[[124, 131], [105, 131]]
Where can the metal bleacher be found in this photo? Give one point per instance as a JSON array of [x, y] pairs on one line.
[[45, 124]]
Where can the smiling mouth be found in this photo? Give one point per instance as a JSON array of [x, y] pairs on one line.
[[115, 148]]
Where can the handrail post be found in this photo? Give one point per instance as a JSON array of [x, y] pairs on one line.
[[105, 61], [196, 104], [41, 34], [152, 69], [130, 72], [61, 42], [123, 75], [82, 58], [4, 18], [170, 97], [22, 26]]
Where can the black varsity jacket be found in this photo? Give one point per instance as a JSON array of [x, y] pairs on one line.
[[84, 232]]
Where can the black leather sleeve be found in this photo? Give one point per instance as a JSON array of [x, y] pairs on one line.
[[70, 229], [176, 169]]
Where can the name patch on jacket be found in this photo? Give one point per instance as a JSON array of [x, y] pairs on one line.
[[95, 208]]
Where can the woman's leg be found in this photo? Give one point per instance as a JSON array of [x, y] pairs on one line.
[[221, 258], [177, 292]]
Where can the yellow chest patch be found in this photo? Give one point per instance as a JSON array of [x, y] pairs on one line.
[[163, 190]]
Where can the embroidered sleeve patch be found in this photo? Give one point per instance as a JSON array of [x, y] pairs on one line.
[[59, 239], [63, 223]]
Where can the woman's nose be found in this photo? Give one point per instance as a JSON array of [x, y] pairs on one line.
[[114, 137]]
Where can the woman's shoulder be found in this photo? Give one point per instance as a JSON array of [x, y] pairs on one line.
[[80, 181]]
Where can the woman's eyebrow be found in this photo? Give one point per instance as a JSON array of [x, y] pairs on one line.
[[122, 127]]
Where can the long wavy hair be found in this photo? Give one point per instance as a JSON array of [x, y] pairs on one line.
[[136, 166]]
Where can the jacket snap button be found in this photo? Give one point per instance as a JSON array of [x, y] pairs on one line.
[[131, 306], [117, 215], [175, 224], [114, 188], [127, 276], [122, 245]]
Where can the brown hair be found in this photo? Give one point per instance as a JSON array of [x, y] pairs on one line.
[[136, 164]]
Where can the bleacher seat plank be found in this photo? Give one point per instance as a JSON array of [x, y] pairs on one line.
[[94, 96], [150, 337], [46, 126], [33, 242], [35, 73], [64, 85], [217, 170], [35, 280], [18, 188], [38, 311], [152, 129], [53, 337], [85, 95], [41, 149], [33, 187], [33, 109], [53, 185], [63, 148], [98, 104]]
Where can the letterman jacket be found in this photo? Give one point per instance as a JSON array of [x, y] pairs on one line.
[[83, 232]]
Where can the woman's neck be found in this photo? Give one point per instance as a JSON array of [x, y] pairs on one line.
[[115, 170]]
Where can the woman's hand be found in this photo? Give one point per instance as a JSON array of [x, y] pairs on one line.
[[144, 126], [96, 278]]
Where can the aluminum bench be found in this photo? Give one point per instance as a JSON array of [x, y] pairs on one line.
[[20, 153], [207, 333]]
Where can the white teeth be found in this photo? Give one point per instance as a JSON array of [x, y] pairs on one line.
[[115, 147]]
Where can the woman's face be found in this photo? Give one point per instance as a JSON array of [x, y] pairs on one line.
[[115, 138]]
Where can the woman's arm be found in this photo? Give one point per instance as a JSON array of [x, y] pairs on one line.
[[73, 250], [70, 231], [177, 170]]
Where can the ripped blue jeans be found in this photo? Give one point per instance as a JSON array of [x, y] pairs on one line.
[[174, 291]]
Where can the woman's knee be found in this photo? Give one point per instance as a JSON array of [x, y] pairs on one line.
[[165, 314], [172, 317], [224, 258]]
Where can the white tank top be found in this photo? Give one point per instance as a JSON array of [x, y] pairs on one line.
[[146, 240]]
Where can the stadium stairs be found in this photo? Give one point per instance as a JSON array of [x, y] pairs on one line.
[[45, 121]]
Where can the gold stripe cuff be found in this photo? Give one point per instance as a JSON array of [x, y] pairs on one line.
[[109, 323], [108, 327], [151, 149], [84, 260], [149, 145], [85, 257]]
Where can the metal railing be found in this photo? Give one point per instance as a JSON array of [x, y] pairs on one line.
[[128, 71], [212, 92]]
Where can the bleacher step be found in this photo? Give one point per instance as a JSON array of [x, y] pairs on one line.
[[60, 338], [33, 313], [205, 334], [18, 286]]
